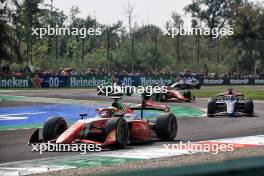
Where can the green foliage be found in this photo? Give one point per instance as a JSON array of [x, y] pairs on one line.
[[16, 67], [152, 51]]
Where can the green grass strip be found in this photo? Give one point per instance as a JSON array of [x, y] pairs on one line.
[[253, 94], [91, 161]]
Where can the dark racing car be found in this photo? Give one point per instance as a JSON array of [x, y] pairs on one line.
[[184, 84], [115, 126], [230, 103]]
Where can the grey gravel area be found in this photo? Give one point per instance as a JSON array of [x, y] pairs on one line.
[[183, 160]]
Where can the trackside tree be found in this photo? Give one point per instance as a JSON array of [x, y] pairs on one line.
[[141, 48]]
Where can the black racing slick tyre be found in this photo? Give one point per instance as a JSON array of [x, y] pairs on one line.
[[198, 86], [122, 131], [129, 91], [249, 108], [166, 127], [146, 96], [187, 94], [53, 127], [211, 107], [157, 97]]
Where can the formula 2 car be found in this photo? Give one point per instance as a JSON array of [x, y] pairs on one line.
[[173, 95], [184, 84], [116, 126], [230, 103]]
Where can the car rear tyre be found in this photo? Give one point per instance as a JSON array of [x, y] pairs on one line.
[[187, 94], [166, 127], [129, 92], [198, 86], [158, 97], [53, 127], [163, 97], [122, 131], [211, 107], [249, 108]]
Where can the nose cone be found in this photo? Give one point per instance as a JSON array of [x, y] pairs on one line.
[[230, 108], [68, 135]]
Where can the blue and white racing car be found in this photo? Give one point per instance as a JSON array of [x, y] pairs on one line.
[[230, 103]]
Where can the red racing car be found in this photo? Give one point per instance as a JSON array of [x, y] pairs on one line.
[[116, 126], [174, 95]]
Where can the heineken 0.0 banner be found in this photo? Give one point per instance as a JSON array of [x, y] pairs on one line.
[[51, 81], [127, 80], [136, 80], [16, 82], [90, 81], [87, 81], [155, 80]]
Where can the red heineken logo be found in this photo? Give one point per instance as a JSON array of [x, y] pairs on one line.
[[37, 82]]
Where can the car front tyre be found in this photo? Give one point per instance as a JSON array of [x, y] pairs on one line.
[[249, 108], [122, 131], [211, 107], [166, 127], [53, 128]]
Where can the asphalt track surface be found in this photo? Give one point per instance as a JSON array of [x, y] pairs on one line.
[[13, 144]]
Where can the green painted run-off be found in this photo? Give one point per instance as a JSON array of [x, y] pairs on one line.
[[80, 161]]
